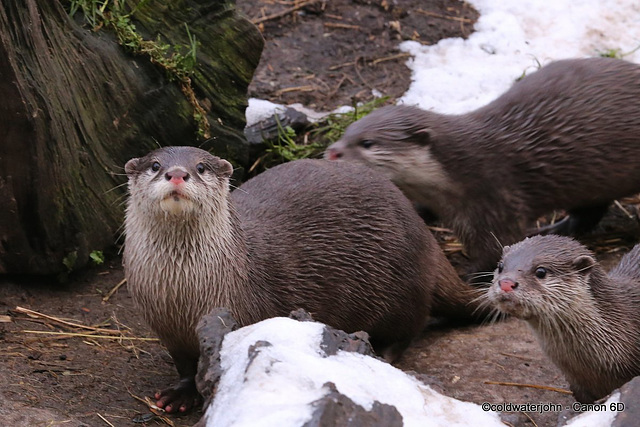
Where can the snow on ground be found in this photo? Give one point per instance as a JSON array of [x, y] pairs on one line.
[[510, 38], [276, 387]]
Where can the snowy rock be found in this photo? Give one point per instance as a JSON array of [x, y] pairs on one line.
[[283, 372]]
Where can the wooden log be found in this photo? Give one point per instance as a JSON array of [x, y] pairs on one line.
[[75, 106]]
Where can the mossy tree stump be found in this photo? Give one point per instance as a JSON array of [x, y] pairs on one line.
[[75, 106]]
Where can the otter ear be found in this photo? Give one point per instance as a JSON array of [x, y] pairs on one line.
[[131, 166], [424, 136], [584, 263], [224, 169]]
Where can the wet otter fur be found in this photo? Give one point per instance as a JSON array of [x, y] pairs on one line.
[[564, 137], [338, 240], [587, 321]]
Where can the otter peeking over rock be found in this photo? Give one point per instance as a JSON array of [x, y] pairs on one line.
[[564, 137], [336, 239], [587, 322]]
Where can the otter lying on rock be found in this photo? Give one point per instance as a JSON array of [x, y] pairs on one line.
[[338, 240]]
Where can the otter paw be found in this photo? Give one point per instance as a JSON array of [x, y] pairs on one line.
[[182, 397]]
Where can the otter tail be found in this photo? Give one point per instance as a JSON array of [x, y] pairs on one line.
[[458, 301]]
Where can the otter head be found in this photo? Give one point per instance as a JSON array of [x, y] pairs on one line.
[[177, 181], [398, 140], [543, 277]]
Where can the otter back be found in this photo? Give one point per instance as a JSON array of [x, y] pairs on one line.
[[340, 242]]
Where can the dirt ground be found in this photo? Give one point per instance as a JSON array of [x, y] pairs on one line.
[[323, 55]]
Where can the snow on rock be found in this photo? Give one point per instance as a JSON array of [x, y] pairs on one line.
[[273, 372]]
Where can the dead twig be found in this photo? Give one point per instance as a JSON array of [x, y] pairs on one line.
[[282, 13], [342, 26], [536, 386], [362, 79], [440, 16], [64, 322], [295, 89], [114, 290], [390, 58]]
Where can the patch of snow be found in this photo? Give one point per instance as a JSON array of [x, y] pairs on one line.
[[511, 38], [277, 386], [597, 418]]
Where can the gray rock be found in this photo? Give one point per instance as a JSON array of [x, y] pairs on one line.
[[211, 331], [336, 409]]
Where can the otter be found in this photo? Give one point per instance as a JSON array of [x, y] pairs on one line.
[[338, 240], [587, 322], [564, 137]]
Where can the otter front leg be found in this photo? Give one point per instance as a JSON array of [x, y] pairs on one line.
[[183, 396]]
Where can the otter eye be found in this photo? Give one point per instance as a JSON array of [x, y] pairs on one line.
[[541, 272], [367, 143], [200, 168], [155, 166], [500, 267]]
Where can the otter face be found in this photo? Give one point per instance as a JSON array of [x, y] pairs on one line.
[[541, 277], [396, 141], [174, 180]]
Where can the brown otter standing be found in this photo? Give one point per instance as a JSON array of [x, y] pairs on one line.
[[565, 137], [338, 240], [588, 322]]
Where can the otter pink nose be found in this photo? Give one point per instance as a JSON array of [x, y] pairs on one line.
[[333, 154], [176, 176], [507, 285]]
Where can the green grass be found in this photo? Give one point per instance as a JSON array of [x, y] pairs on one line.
[[178, 61], [289, 146]]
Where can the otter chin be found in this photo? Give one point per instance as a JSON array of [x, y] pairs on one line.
[[176, 203]]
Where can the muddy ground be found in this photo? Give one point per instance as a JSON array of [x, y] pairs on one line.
[[323, 55]]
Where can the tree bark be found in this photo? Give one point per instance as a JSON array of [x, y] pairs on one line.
[[74, 107]]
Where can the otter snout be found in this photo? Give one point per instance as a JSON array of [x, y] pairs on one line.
[[177, 176], [507, 285], [333, 153]]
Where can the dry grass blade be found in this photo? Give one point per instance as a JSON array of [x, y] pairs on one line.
[[295, 89], [5, 319], [64, 322], [282, 13], [536, 386], [104, 337], [104, 419], [153, 408], [440, 16]]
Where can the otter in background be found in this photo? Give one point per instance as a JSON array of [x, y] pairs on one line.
[[565, 137]]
